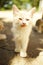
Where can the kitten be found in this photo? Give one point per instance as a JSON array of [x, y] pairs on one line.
[[22, 27]]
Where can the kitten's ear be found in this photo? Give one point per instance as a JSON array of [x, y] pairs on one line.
[[32, 11], [15, 9]]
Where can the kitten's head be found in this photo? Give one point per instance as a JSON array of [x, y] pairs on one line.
[[22, 18]]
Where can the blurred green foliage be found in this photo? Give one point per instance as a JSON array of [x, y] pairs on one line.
[[34, 2], [7, 4], [21, 3], [25, 3]]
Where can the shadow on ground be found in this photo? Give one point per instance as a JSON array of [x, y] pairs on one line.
[[35, 44]]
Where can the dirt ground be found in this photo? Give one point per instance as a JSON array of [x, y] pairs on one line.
[[9, 57]]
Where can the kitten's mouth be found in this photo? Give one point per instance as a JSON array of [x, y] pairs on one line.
[[23, 25]]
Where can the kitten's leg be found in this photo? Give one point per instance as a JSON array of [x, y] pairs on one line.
[[17, 46], [23, 52]]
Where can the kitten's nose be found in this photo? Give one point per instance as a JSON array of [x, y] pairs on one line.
[[23, 24]]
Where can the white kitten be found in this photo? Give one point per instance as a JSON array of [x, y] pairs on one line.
[[22, 27]]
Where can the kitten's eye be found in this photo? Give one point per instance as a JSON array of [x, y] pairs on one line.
[[20, 18], [27, 19]]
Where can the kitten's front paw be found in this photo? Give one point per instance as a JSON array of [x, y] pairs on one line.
[[23, 54]]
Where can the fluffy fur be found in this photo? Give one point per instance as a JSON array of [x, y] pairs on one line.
[[22, 27]]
